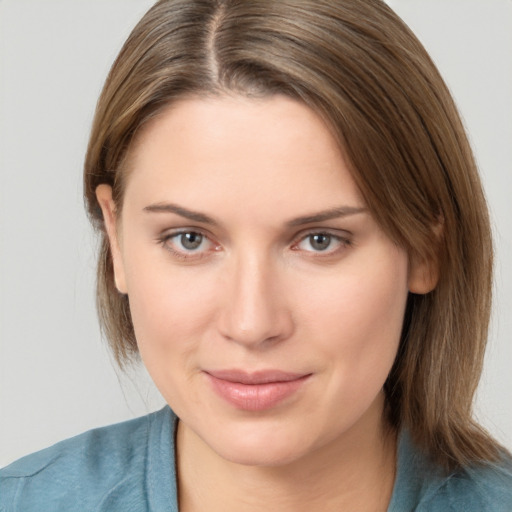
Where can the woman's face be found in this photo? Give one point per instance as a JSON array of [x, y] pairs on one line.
[[266, 301]]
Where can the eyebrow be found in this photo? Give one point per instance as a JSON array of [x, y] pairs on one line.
[[331, 213], [182, 212]]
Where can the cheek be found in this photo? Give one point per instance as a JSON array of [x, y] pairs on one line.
[[169, 309], [357, 323], [170, 314]]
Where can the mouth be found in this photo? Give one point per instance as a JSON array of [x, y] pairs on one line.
[[257, 391]]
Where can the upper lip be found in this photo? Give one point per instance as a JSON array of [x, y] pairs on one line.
[[256, 377]]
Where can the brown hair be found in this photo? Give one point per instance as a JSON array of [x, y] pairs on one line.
[[359, 66]]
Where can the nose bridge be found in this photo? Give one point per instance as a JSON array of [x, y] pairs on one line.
[[254, 310]]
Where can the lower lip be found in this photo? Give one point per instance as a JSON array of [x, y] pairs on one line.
[[255, 397]]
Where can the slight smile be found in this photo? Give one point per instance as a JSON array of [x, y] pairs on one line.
[[256, 391]]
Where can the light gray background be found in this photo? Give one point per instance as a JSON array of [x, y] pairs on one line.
[[56, 376]]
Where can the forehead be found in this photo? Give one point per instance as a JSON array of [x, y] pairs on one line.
[[252, 150]]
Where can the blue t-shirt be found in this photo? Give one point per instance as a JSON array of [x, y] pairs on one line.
[[131, 467]]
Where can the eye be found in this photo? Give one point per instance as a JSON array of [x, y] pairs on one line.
[[187, 244], [190, 241], [322, 242]]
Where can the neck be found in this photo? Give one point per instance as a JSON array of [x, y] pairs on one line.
[[354, 472]]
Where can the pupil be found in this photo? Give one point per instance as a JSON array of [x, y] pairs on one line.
[[191, 240], [320, 242]]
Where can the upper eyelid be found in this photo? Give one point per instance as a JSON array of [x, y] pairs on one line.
[[172, 232], [337, 233], [169, 234]]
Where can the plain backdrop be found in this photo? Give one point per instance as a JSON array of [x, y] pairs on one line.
[[57, 378]]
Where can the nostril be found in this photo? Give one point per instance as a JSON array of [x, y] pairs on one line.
[[251, 312]]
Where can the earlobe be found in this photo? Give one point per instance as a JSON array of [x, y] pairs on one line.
[[424, 271], [108, 208], [423, 277]]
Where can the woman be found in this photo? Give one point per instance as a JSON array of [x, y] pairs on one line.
[[296, 243]]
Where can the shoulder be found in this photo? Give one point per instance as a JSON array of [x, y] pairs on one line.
[[483, 487], [88, 447], [424, 487], [87, 469]]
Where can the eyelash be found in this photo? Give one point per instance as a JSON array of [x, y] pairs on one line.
[[165, 240], [191, 255], [343, 241]]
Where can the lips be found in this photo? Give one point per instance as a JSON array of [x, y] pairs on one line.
[[256, 391]]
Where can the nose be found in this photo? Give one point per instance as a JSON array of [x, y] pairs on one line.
[[254, 312]]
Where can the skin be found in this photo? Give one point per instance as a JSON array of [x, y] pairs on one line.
[[260, 293]]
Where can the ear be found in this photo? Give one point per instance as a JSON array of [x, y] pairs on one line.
[[108, 208], [424, 272], [423, 276]]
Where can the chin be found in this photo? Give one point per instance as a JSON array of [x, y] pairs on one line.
[[261, 456], [259, 446]]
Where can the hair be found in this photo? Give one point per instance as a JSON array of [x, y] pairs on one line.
[[357, 65]]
